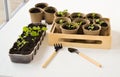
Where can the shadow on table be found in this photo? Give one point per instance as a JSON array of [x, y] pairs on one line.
[[42, 50], [115, 40]]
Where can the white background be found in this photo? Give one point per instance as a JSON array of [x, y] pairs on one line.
[[65, 64]]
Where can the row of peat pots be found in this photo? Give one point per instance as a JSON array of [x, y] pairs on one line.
[[76, 22]]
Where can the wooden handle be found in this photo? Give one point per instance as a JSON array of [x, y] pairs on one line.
[[90, 59], [49, 59]]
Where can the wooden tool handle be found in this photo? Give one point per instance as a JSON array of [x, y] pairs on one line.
[[49, 59], [90, 59]]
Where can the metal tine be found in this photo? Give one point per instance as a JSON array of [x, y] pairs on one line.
[[57, 46]]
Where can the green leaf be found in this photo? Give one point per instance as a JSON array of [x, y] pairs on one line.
[[65, 11], [78, 14], [44, 28], [25, 29], [97, 20], [93, 14], [80, 23], [101, 22], [34, 33], [61, 21], [91, 27]]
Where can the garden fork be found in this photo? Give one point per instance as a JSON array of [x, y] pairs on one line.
[[57, 47]]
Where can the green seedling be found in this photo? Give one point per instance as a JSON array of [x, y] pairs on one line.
[[99, 21], [34, 33], [71, 25], [20, 44], [78, 14], [61, 21], [91, 27], [93, 15], [80, 23], [62, 13]]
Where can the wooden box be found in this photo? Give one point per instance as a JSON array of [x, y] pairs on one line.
[[79, 40]]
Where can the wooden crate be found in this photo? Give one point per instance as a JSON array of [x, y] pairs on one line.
[[103, 42]]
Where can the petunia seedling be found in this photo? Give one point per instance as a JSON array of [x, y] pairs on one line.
[[20, 44], [91, 27], [34, 33], [80, 23], [44, 28], [62, 13], [78, 14]]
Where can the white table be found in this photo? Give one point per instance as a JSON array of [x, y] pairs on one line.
[[65, 64]]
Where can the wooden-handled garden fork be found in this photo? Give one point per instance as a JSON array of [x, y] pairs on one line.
[[57, 47]]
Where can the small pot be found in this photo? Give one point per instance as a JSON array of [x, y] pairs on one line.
[[42, 6], [104, 25], [93, 16], [77, 15], [69, 31], [57, 24], [49, 14], [81, 22], [36, 15], [91, 32]]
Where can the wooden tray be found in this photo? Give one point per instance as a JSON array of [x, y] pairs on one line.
[[79, 40]]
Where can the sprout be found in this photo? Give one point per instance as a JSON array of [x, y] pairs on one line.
[[80, 23], [20, 44], [93, 14], [91, 27], [36, 28], [62, 13], [71, 25], [78, 14], [25, 29], [61, 21], [34, 33], [44, 28], [99, 21]]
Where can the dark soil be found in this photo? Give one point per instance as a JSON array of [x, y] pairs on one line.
[[50, 10], [75, 16], [83, 22], [66, 27], [26, 49], [35, 10], [104, 24], [91, 17], [95, 28], [58, 15], [41, 5]]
